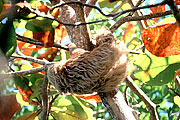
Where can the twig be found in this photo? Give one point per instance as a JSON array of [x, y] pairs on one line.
[[135, 52], [174, 9], [50, 103], [178, 118], [136, 12], [45, 105], [89, 9], [53, 99], [125, 95], [111, 16], [173, 90], [150, 105], [33, 59], [137, 18], [96, 113], [177, 82], [35, 42], [23, 72]]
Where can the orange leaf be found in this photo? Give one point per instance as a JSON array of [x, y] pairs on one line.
[[162, 40], [20, 44], [177, 2], [129, 31], [157, 9], [6, 6], [43, 8], [60, 33], [146, 23], [8, 106], [37, 65], [46, 37], [55, 12], [26, 94], [27, 51], [5, 10], [91, 97]]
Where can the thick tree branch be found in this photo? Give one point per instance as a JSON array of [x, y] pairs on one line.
[[116, 105], [83, 36], [150, 105]]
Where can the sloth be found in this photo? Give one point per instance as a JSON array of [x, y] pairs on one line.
[[99, 70]]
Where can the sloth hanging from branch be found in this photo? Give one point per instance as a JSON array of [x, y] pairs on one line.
[[99, 70]]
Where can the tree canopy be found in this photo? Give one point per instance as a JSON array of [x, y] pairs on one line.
[[36, 33]]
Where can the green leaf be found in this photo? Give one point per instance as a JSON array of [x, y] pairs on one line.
[[36, 79], [106, 3], [19, 82], [77, 106], [156, 70], [64, 114], [8, 39], [39, 25], [30, 116], [35, 94], [69, 106], [86, 108]]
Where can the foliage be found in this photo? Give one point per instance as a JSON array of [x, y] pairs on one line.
[[153, 71]]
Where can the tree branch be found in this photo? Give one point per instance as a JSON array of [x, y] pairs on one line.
[[45, 101], [138, 18], [150, 105], [73, 23], [136, 12], [116, 105], [36, 42], [33, 59], [89, 9], [174, 9], [83, 36], [23, 72]]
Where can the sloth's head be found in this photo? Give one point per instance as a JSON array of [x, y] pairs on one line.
[[104, 35]]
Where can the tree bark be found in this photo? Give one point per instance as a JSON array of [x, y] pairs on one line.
[[115, 103]]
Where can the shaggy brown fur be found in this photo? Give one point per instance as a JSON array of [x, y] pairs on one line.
[[100, 70]]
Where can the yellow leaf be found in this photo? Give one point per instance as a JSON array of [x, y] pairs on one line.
[[21, 101], [63, 54], [166, 20], [129, 31], [26, 65], [28, 34], [177, 100]]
